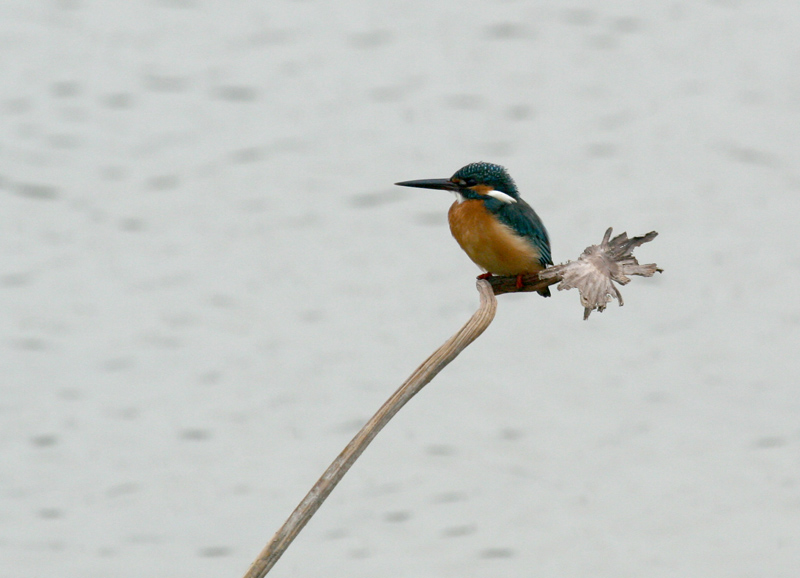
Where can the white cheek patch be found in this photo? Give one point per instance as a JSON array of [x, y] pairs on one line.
[[459, 197], [501, 196]]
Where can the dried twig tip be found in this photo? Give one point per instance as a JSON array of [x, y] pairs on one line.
[[598, 266]]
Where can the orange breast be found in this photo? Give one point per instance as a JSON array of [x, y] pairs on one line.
[[489, 243]]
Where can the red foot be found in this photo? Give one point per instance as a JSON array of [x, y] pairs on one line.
[[519, 281], [485, 276]]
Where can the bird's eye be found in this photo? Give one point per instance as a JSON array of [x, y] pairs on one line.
[[471, 182]]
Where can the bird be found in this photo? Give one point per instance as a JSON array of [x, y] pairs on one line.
[[495, 227]]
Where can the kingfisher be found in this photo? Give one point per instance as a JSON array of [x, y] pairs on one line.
[[495, 227]]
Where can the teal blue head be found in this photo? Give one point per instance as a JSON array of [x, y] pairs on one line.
[[484, 177], [484, 181]]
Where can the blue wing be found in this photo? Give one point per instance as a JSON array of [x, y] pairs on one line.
[[521, 217]]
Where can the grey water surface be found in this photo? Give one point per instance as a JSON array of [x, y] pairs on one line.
[[208, 283]]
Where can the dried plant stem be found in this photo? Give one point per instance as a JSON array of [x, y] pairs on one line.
[[479, 321]]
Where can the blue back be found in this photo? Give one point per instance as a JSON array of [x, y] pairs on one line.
[[521, 218]]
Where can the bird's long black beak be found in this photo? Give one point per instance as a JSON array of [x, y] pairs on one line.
[[443, 184]]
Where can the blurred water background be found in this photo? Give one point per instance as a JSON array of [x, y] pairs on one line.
[[208, 283]]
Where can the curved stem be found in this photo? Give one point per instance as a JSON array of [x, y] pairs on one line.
[[479, 321]]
